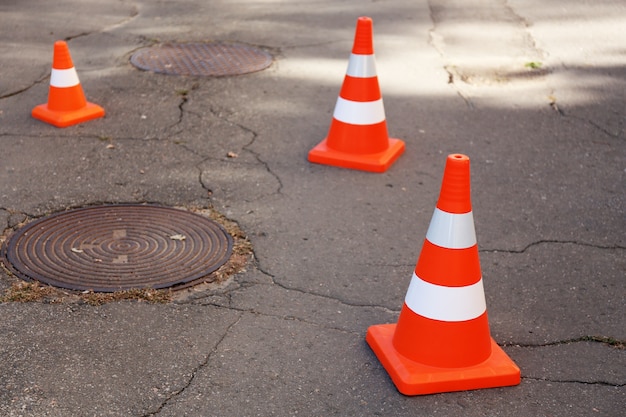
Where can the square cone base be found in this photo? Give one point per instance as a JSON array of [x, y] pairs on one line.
[[412, 378], [67, 118], [373, 162]]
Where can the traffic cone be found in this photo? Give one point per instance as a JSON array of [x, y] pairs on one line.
[[66, 101], [358, 137], [442, 342]]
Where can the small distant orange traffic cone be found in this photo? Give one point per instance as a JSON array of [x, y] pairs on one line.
[[442, 342], [358, 137], [66, 101]]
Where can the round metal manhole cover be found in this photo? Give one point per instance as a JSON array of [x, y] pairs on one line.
[[118, 247], [201, 59]]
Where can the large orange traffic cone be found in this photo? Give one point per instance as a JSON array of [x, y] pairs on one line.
[[358, 137], [442, 341], [66, 101]]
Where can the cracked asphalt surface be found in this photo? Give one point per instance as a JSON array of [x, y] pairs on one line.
[[532, 91]]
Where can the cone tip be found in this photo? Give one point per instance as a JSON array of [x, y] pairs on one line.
[[455, 187], [61, 57], [363, 43], [458, 157]]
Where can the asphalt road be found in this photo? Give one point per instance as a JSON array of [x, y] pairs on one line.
[[533, 92]]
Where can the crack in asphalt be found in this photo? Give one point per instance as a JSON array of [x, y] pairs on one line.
[[13, 220], [298, 290], [185, 95], [516, 251], [609, 341], [553, 102], [195, 370], [245, 148], [313, 293], [134, 13], [181, 110], [348, 303], [280, 316], [256, 155], [39, 80], [553, 241], [228, 292], [574, 381], [565, 114]]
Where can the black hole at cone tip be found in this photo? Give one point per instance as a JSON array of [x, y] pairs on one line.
[[118, 247]]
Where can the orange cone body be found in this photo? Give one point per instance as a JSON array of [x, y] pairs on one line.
[[358, 137], [66, 101], [442, 342]]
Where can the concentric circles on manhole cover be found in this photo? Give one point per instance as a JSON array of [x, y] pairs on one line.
[[118, 247], [201, 59]]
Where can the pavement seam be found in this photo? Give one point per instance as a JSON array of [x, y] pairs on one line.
[[459, 75], [432, 41], [524, 22]]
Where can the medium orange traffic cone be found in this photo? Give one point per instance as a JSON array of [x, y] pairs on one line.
[[358, 137], [66, 101], [442, 342]]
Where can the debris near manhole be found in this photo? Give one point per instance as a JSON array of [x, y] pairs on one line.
[[150, 296], [242, 252], [201, 59], [23, 292]]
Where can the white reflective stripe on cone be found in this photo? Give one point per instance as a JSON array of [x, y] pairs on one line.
[[359, 112], [452, 231], [361, 66], [64, 78], [442, 303]]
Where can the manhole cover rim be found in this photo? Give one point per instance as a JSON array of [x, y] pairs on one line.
[[12, 260], [148, 58]]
